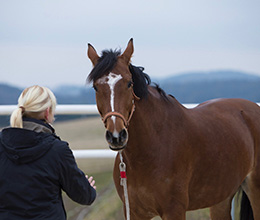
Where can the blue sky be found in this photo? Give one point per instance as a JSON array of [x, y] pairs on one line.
[[44, 41]]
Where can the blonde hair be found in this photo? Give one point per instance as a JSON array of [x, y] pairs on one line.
[[32, 102]]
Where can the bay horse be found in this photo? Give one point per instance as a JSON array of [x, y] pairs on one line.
[[177, 159]]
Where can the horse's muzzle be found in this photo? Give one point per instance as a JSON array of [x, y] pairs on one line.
[[117, 142]]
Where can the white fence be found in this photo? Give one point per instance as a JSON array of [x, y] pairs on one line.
[[76, 110], [60, 109], [69, 109], [72, 110], [79, 110]]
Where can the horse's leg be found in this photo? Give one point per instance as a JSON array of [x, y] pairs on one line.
[[222, 210], [174, 216], [136, 215], [175, 211], [252, 188]]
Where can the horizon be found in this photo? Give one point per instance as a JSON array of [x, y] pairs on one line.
[[182, 76]]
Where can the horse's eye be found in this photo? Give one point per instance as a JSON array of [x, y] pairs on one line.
[[94, 87], [129, 84]]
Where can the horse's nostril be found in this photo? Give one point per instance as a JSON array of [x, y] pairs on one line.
[[109, 137], [123, 135]]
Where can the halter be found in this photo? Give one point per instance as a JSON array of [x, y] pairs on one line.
[[117, 114]]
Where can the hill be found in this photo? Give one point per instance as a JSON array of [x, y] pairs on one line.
[[9, 94], [214, 76], [194, 87], [199, 87]]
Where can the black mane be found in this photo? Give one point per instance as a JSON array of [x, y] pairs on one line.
[[140, 79]]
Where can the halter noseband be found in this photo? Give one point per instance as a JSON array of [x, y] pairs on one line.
[[117, 114]]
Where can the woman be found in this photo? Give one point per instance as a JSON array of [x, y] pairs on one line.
[[35, 165]]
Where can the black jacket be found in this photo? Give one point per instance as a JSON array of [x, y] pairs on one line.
[[34, 168]]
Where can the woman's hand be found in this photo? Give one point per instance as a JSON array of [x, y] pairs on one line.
[[91, 181]]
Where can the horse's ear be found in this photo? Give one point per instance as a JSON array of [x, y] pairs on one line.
[[92, 54], [128, 51]]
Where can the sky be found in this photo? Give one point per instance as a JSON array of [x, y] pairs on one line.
[[44, 41]]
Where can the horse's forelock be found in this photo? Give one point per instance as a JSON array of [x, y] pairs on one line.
[[105, 64]]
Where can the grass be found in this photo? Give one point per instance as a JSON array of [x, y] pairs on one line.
[[83, 133]]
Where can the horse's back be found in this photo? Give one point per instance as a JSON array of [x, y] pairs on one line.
[[241, 110], [237, 119], [238, 115], [229, 103]]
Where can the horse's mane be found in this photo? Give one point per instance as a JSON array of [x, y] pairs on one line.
[[140, 79]]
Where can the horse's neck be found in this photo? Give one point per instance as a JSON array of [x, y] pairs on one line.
[[152, 118], [156, 110]]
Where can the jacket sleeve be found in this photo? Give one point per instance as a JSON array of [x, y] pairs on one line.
[[72, 179]]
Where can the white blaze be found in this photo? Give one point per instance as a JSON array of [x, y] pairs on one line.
[[111, 80]]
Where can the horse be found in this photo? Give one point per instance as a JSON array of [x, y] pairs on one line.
[[177, 159]]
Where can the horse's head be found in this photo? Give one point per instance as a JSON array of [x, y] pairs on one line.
[[115, 96]]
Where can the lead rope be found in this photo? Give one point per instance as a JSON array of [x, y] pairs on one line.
[[122, 168]]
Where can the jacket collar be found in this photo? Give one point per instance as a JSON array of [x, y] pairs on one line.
[[37, 125]]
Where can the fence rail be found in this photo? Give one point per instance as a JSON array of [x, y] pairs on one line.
[[94, 154], [60, 109], [79, 110], [69, 109], [73, 109], [76, 110]]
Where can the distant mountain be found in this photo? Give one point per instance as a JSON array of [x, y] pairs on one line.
[[199, 87], [69, 94], [223, 75], [66, 94], [193, 87], [9, 94], [187, 88]]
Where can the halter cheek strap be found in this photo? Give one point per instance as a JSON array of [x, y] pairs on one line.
[[135, 96]]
